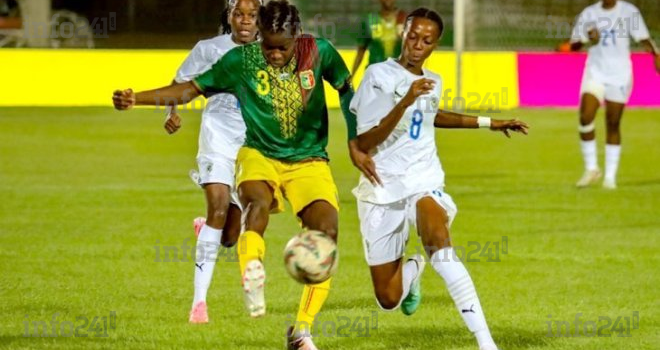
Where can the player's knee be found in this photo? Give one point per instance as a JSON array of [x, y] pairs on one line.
[[330, 229], [387, 300], [613, 125], [217, 214]]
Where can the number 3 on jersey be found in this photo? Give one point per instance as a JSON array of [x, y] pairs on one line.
[[416, 127], [263, 85]]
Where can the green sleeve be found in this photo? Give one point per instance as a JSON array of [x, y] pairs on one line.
[[336, 73], [223, 76], [333, 67], [351, 119]]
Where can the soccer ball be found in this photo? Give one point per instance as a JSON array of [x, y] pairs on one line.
[[311, 257]]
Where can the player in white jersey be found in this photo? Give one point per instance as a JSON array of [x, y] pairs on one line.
[[608, 25], [397, 112], [221, 135]]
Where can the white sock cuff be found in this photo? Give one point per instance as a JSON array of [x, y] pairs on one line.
[[209, 235], [612, 148], [590, 143]]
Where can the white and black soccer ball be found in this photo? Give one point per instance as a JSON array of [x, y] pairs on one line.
[[311, 257]]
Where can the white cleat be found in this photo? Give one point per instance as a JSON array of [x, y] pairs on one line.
[[299, 341], [589, 178], [609, 184], [253, 286]]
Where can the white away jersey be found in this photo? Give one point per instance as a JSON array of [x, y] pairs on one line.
[[222, 130], [609, 61], [407, 161]]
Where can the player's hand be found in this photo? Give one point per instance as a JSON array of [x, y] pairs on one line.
[[364, 163], [657, 63], [506, 126], [594, 36], [123, 99], [172, 123], [418, 88]]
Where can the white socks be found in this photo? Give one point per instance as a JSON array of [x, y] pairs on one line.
[[462, 291], [206, 254], [612, 156], [589, 154], [408, 274]]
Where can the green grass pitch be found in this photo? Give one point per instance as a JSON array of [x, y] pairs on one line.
[[91, 196]]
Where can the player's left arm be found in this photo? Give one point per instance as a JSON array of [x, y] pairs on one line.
[[652, 47], [640, 33], [451, 120], [337, 74]]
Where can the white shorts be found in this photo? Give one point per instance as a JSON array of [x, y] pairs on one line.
[[218, 169], [619, 93], [385, 227]]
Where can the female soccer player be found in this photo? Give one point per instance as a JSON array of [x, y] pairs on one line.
[[279, 83], [608, 25], [397, 110], [383, 34], [221, 135]]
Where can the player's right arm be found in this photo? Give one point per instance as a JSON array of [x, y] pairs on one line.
[[584, 31], [379, 133], [222, 77], [165, 96]]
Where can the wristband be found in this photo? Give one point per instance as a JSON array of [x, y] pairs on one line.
[[484, 122]]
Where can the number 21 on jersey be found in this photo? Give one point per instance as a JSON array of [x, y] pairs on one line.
[[416, 127]]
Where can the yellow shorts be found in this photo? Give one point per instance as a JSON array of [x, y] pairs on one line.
[[300, 183]]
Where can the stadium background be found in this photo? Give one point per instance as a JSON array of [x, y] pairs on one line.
[[506, 43], [91, 196]]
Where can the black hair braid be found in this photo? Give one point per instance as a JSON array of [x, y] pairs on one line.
[[423, 12], [225, 27], [278, 16]]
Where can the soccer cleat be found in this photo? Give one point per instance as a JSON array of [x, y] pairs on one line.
[[253, 286], [198, 223], [199, 313], [609, 184], [194, 177], [298, 341], [411, 302], [589, 178]]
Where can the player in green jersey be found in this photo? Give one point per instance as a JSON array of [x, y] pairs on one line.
[[279, 84], [380, 34]]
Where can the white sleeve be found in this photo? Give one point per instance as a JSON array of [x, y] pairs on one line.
[[371, 102], [638, 31], [584, 23], [195, 64]]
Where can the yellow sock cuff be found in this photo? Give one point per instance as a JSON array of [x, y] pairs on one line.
[[250, 246], [313, 298]]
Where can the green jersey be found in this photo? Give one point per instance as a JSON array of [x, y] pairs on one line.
[[284, 108], [382, 36]]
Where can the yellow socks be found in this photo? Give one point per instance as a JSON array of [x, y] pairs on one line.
[[250, 246], [313, 298]]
